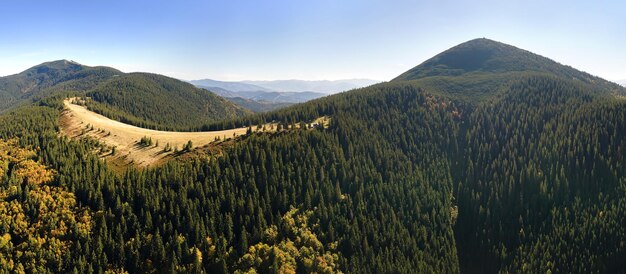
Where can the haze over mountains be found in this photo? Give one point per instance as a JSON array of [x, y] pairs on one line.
[[323, 86], [280, 91], [485, 158]]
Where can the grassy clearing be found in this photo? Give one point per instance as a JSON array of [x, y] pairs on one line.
[[140, 146]]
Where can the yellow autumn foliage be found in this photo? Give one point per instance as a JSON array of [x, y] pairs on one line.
[[32, 242], [295, 245]]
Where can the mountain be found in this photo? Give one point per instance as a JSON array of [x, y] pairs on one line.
[[156, 101], [48, 78], [280, 91], [530, 177], [132, 98], [480, 68], [477, 168], [257, 105], [254, 93], [484, 55], [325, 86], [622, 82], [280, 97], [230, 86]]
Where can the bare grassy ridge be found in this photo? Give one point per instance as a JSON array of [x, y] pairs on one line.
[[77, 122]]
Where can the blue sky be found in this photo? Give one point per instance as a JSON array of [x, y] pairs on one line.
[[322, 39]]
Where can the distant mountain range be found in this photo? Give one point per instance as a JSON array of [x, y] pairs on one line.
[[324, 86], [280, 91], [622, 82]]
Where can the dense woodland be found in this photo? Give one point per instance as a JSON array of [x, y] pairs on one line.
[[158, 102], [49, 79], [527, 178]]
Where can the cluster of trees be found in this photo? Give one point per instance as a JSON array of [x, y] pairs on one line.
[[400, 181], [145, 141]]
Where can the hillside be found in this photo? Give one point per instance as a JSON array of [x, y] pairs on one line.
[[78, 122], [280, 91], [128, 97], [159, 102], [230, 86], [320, 86], [482, 64], [48, 78], [408, 177], [257, 105]]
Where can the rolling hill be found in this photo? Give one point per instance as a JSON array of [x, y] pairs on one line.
[[275, 94], [484, 55], [257, 105], [128, 97], [484, 159], [47, 78], [321, 86], [159, 102], [481, 68]]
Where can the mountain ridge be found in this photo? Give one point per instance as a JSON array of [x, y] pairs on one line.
[[406, 177], [481, 68], [134, 97], [41, 80], [485, 55]]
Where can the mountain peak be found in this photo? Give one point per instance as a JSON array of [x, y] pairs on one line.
[[482, 56], [477, 55], [60, 64]]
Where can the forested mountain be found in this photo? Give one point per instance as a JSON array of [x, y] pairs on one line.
[[525, 173], [280, 91], [484, 55], [160, 102], [48, 78], [230, 86], [319, 86], [275, 97], [257, 106], [147, 100]]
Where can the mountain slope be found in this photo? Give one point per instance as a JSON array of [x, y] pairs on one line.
[[484, 55], [323, 86], [231, 86], [280, 91], [537, 171], [275, 97], [405, 179], [484, 58], [149, 100], [257, 105], [156, 101], [47, 78]]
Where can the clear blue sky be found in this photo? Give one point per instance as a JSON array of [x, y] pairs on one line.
[[296, 39]]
